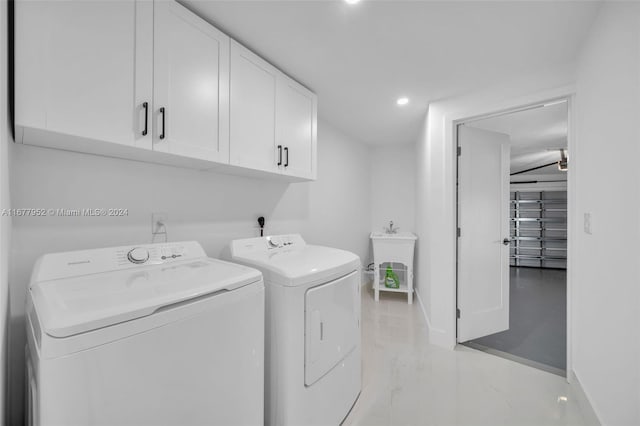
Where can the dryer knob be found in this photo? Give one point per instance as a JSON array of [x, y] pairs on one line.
[[138, 255]]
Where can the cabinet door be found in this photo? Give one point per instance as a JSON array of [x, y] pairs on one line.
[[296, 116], [191, 85], [84, 68], [253, 94]]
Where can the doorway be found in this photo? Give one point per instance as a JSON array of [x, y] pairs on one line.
[[512, 235]]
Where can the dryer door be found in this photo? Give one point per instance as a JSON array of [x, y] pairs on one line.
[[332, 325]]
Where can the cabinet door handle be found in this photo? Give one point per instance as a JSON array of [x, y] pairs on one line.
[[286, 150], [145, 105], [162, 132], [279, 155]]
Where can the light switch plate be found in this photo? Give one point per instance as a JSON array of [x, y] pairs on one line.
[[587, 223]]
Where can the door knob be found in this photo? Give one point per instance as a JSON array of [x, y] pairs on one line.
[[506, 241]]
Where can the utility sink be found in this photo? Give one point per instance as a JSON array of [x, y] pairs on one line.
[[396, 247], [393, 248], [393, 236]]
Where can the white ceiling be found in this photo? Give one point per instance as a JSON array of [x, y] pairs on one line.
[[360, 58], [537, 135]]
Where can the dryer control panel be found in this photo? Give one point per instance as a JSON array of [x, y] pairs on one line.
[[266, 244], [84, 262]]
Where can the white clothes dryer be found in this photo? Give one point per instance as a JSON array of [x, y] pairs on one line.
[[312, 338], [155, 334]]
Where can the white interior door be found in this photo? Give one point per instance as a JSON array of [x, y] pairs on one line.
[[483, 244]]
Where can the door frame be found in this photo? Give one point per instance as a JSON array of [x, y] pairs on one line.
[[571, 186]]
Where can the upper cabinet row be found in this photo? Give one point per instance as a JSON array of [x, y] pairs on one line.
[[152, 81]]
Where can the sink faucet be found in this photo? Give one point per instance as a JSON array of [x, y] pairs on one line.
[[391, 229]]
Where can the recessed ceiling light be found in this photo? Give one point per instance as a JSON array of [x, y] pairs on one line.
[[352, 1], [402, 101]]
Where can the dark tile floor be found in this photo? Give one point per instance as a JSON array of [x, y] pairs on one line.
[[537, 318]]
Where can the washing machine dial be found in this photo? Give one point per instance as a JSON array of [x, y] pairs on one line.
[[273, 243], [138, 255]]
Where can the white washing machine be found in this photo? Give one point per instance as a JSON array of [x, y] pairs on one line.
[[312, 338], [155, 334]]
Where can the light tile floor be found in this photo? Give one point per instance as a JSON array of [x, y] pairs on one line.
[[407, 381]]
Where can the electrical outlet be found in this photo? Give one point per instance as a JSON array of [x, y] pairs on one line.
[[159, 223], [587, 223]]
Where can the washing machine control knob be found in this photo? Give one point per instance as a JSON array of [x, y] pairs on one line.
[[273, 243], [138, 255]]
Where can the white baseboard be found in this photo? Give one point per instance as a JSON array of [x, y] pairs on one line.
[[437, 336], [424, 311], [590, 416]]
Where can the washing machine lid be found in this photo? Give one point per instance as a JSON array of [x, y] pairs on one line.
[[289, 261], [75, 305]]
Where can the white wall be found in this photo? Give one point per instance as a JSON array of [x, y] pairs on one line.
[[207, 207], [422, 279], [606, 303], [5, 222], [393, 187], [436, 191], [339, 210], [604, 276]]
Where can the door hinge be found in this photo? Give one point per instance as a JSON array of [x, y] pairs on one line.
[[458, 312], [458, 232], [459, 151]]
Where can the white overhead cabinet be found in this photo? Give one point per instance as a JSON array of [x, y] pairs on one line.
[[152, 81], [83, 70], [273, 118], [253, 110], [191, 85], [296, 128]]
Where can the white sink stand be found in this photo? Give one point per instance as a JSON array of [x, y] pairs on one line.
[[393, 248]]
